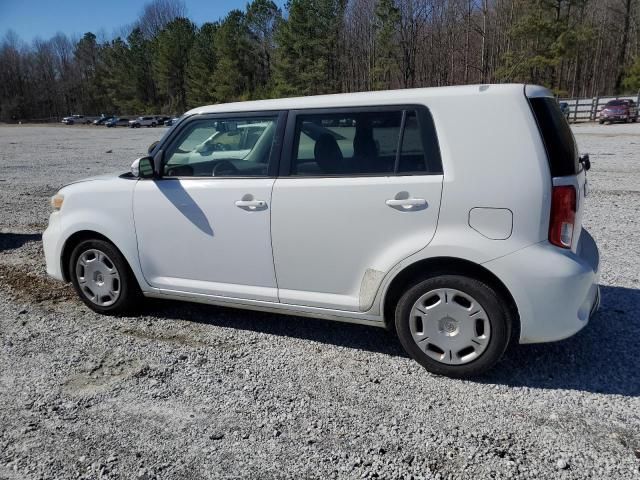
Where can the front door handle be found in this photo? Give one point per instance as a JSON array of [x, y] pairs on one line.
[[407, 202], [251, 204]]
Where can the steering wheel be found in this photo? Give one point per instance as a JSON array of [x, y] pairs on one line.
[[224, 166]]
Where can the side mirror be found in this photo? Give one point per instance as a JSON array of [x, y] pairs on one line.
[[143, 168], [584, 160]]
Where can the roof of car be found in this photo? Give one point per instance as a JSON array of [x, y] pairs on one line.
[[387, 97]]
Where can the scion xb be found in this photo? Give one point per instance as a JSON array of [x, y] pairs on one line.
[[460, 232]]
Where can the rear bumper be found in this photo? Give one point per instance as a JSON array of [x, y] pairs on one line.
[[556, 291]]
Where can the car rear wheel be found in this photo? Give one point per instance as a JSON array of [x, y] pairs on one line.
[[102, 278], [453, 325]]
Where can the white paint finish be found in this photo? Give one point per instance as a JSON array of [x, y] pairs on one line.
[[418, 96], [536, 91], [101, 205], [492, 223], [502, 165], [274, 307], [193, 237], [554, 288], [328, 231]]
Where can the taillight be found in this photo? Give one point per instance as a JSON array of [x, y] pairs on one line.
[[563, 215]]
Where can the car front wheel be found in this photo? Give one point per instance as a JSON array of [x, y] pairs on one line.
[[102, 278], [453, 325]]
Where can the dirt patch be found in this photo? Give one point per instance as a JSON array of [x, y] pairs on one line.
[[102, 376], [173, 338], [33, 287]]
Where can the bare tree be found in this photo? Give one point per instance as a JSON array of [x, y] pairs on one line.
[[157, 13]]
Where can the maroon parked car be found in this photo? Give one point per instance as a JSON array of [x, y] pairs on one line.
[[619, 111]]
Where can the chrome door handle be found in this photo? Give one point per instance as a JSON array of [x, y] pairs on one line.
[[251, 204], [407, 202]]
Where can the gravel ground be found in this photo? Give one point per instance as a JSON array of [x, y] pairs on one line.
[[191, 391]]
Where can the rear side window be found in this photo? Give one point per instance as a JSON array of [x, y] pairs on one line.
[[557, 137], [386, 142]]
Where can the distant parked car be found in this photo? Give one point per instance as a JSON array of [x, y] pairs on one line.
[[103, 120], [73, 119], [117, 122], [619, 111], [143, 122], [564, 108], [162, 119], [171, 121]]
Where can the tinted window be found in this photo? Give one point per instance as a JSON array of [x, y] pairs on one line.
[[360, 143], [556, 136], [412, 155], [238, 147]]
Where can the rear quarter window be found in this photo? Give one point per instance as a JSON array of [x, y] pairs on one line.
[[557, 137]]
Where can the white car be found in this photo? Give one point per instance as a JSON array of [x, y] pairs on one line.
[[427, 211], [80, 119], [143, 122]]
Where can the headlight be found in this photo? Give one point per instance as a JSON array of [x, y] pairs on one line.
[[56, 201]]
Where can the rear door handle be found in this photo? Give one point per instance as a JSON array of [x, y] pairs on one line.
[[251, 204], [407, 202]]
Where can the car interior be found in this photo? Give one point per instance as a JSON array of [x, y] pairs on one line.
[[364, 143]]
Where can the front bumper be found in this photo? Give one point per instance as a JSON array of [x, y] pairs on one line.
[[616, 118], [556, 291], [52, 245]]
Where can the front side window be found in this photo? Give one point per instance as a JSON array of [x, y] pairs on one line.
[[238, 147], [387, 142]]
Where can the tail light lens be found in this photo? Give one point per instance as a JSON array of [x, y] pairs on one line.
[[563, 215]]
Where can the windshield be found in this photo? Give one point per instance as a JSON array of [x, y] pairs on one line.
[[166, 134]]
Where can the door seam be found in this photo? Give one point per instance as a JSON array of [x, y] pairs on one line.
[[273, 258]]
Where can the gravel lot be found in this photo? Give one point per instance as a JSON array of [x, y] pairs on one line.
[[191, 391]]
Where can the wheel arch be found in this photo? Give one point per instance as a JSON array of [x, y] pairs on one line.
[[438, 266], [73, 240]]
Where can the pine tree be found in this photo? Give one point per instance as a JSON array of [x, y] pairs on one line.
[[263, 17], [139, 60], [631, 82], [309, 47], [544, 37], [121, 92], [202, 64], [236, 68], [173, 44]]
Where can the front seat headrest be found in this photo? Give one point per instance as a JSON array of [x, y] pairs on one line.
[[327, 154]]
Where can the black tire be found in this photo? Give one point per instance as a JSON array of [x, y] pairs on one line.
[[600, 122], [129, 297], [499, 318], [154, 124]]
